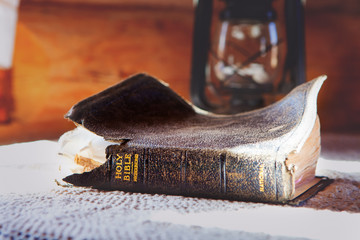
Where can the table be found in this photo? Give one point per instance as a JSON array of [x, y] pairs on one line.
[[32, 206]]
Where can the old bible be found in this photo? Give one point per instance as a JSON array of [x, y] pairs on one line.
[[141, 136]]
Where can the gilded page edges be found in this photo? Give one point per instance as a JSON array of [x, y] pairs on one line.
[[297, 138], [294, 141]]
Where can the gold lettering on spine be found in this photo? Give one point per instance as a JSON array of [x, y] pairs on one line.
[[136, 165], [118, 168], [127, 167], [261, 178]]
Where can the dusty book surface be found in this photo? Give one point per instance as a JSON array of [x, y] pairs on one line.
[[141, 136]]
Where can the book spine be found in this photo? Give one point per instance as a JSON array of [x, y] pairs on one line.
[[188, 172]]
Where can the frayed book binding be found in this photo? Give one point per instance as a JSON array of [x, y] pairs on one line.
[[141, 136]]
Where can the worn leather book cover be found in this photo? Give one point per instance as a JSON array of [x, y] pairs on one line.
[[154, 141]]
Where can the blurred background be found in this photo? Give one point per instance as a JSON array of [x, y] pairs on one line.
[[67, 50]]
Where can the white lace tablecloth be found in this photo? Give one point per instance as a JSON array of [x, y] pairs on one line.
[[32, 206]]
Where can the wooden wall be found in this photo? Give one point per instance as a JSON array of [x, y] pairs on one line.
[[66, 50], [333, 48]]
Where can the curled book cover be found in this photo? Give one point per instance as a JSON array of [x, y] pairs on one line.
[[140, 136]]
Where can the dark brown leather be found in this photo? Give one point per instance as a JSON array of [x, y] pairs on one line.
[[146, 111]]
